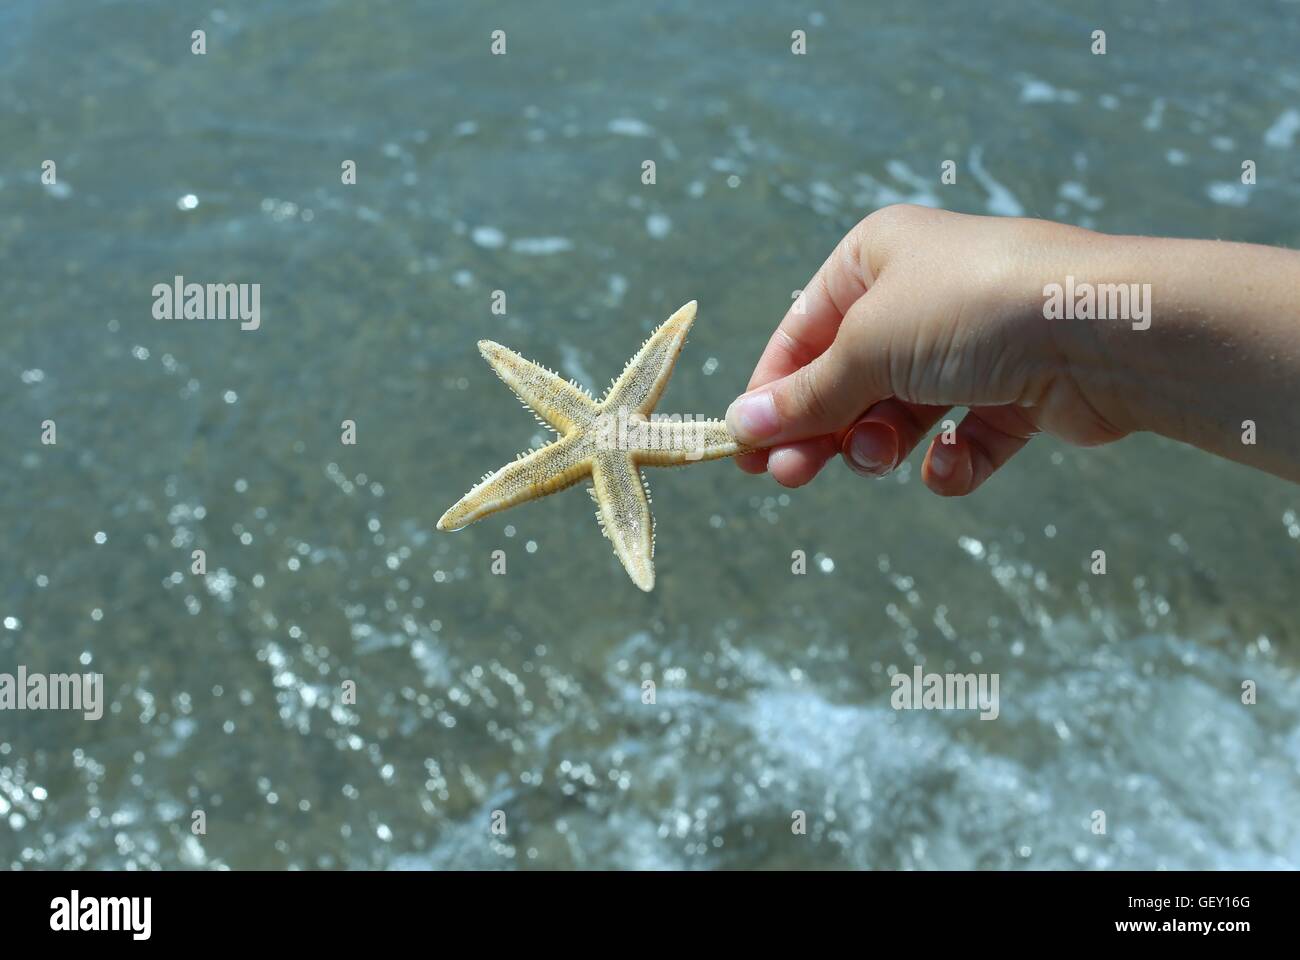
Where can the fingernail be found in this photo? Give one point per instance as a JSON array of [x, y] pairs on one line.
[[943, 458], [872, 448], [752, 417]]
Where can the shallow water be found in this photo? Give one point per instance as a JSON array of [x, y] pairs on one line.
[[522, 693]]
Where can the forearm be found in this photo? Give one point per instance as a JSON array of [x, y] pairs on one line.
[[1221, 352]]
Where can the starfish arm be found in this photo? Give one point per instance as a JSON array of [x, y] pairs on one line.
[[643, 379], [624, 514], [559, 403], [535, 474], [671, 443]]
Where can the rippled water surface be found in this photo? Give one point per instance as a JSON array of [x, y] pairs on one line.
[[522, 693]]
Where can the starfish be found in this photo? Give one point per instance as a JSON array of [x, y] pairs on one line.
[[605, 442]]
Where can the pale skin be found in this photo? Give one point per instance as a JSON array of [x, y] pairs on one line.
[[921, 311]]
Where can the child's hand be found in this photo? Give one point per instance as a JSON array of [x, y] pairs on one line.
[[920, 310]]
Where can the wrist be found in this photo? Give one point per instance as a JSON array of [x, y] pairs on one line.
[[1100, 296], [1207, 358]]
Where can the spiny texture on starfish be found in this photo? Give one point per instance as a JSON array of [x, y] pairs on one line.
[[607, 442]]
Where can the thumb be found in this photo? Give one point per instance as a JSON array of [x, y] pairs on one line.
[[822, 397]]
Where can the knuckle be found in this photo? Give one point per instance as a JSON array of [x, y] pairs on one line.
[[882, 232], [811, 397], [893, 215], [794, 348]]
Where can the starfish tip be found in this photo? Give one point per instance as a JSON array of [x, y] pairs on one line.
[[681, 320]]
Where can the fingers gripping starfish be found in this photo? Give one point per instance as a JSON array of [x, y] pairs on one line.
[[607, 442]]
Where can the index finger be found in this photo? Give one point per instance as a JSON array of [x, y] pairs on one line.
[[809, 327]]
